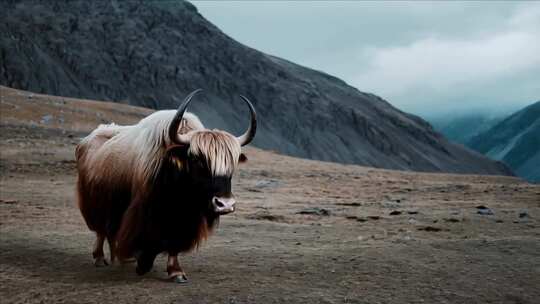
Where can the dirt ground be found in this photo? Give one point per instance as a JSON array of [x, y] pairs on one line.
[[304, 231]]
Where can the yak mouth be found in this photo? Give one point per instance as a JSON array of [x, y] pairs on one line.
[[219, 213]]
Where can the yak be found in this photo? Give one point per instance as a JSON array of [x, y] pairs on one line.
[[158, 186]]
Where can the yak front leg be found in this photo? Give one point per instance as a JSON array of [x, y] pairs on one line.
[[97, 254], [176, 273], [145, 261]]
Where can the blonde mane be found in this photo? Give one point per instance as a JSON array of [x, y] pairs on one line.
[[220, 149]]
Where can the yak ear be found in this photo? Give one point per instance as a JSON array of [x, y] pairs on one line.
[[243, 158]]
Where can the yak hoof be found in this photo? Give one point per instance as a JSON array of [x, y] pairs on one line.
[[180, 279], [100, 262]]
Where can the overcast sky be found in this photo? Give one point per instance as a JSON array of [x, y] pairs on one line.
[[423, 57]]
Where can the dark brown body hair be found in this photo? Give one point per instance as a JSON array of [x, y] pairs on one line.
[[153, 209], [157, 186]]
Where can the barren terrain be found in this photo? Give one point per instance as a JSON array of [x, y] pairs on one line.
[[304, 232]]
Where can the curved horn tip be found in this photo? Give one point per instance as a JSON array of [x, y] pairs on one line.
[[177, 119], [248, 136]]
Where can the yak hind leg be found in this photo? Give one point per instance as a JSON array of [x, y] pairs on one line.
[[175, 272], [98, 254], [112, 248]]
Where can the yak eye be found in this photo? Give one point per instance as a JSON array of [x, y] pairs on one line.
[[243, 158]]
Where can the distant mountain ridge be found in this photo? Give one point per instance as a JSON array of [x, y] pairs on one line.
[[515, 141], [461, 128], [152, 53]]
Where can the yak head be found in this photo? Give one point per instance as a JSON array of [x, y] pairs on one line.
[[209, 159]]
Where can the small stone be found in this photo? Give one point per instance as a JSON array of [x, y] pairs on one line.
[[452, 220], [523, 214], [395, 212], [315, 211], [430, 229], [267, 184], [485, 211], [46, 119]]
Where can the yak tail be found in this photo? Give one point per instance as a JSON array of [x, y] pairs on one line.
[[130, 230]]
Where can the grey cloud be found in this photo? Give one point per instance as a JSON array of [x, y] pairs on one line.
[[422, 56]]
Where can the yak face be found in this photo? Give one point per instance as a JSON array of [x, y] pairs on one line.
[[209, 162], [211, 157]]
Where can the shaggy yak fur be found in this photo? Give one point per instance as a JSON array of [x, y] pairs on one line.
[[157, 186]]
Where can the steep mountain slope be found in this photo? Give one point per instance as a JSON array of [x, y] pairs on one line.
[[462, 128], [152, 53], [515, 141]]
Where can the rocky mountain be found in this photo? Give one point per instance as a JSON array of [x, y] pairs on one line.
[[462, 128], [152, 53], [515, 141]]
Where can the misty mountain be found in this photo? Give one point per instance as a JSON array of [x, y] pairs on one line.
[[515, 141], [461, 128], [152, 53]]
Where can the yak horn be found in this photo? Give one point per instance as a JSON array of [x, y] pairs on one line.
[[181, 139], [248, 136]]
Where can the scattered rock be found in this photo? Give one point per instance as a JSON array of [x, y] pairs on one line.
[[412, 212], [523, 214], [374, 217], [483, 210], [267, 184], [264, 184], [395, 212], [499, 221], [452, 220], [390, 205], [430, 229], [266, 216], [356, 218], [9, 202], [315, 211], [46, 119], [355, 204]]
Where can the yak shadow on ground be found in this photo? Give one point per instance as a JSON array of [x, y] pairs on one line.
[[47, 260]]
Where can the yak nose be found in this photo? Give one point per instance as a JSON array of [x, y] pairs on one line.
[[223, 205]]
